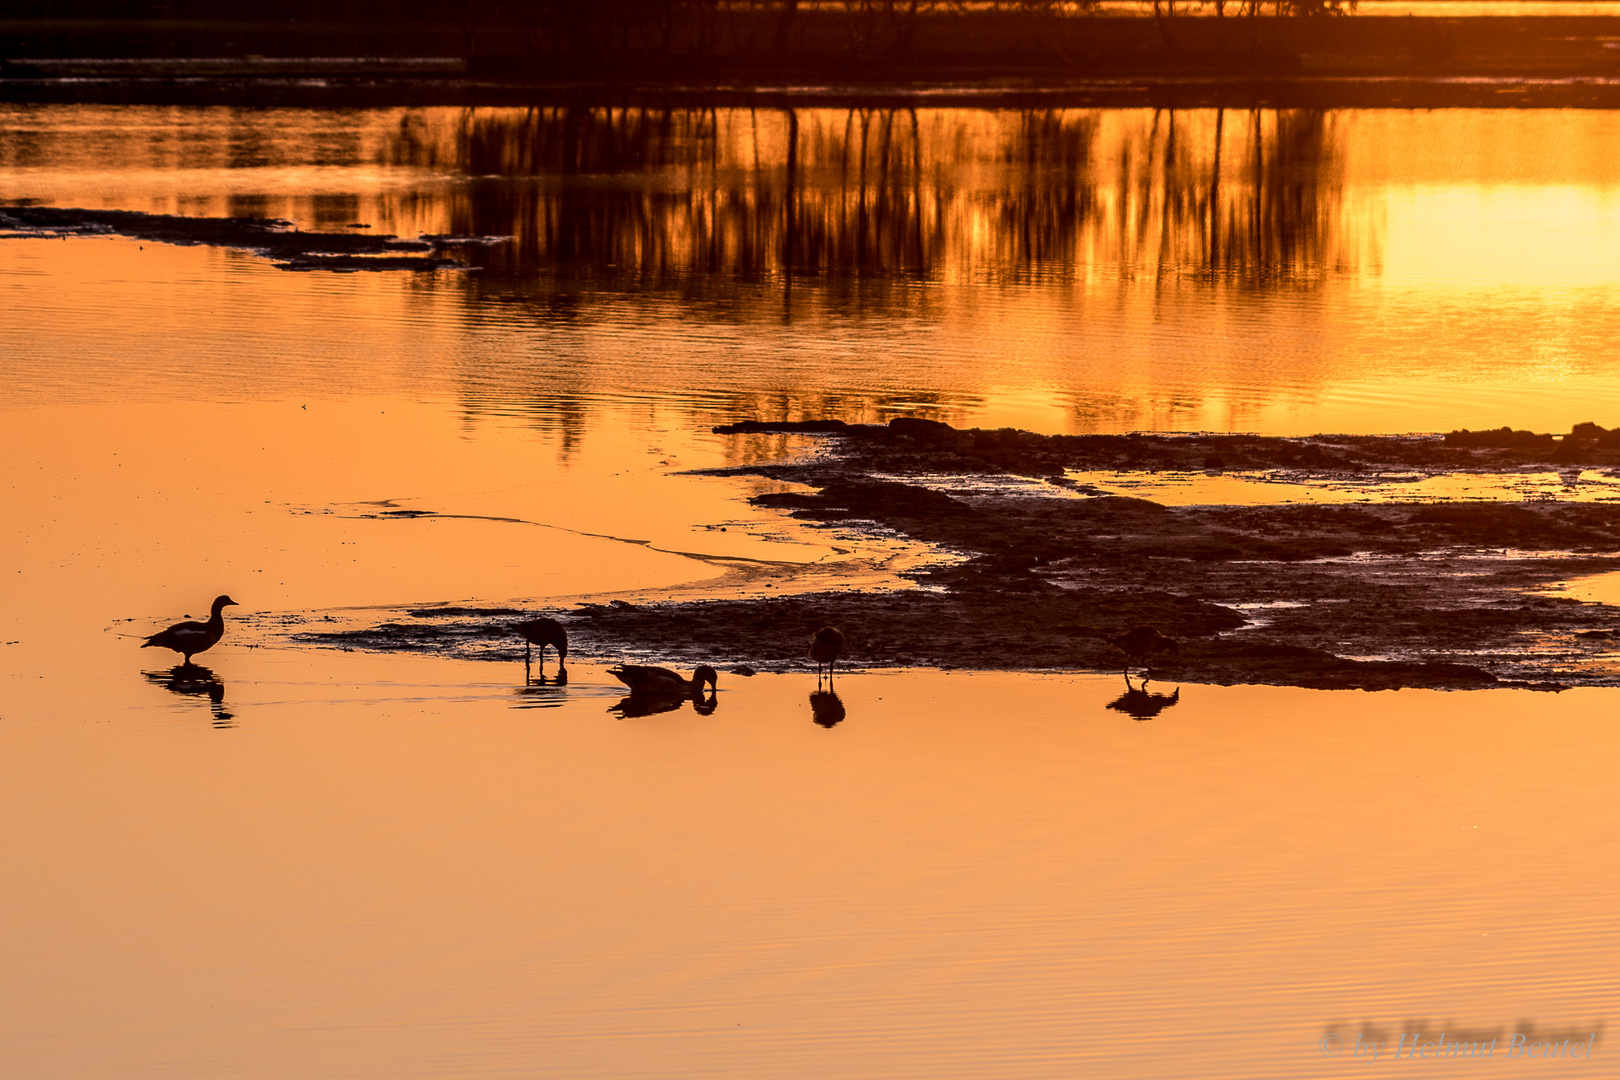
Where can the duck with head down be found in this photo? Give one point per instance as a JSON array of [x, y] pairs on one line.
[[657, 690], [659, 680], [826, 646], [1143, 643], [543, 631]]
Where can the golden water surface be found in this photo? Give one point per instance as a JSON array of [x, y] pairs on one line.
[[304, 861]]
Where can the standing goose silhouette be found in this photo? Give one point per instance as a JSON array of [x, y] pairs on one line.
[[190, 638]]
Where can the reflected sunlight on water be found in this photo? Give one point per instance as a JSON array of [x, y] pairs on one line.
[[388, 867], [1074, 270], [304, 861]]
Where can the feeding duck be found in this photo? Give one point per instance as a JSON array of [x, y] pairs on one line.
[[657, 680], [190, 638], [826, 646], [1143, 643], [543, 631]]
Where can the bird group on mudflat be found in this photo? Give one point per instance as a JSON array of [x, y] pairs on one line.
[[644, 681], [1140, 644]]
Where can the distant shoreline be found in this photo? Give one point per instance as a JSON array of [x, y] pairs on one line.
[[1233, 92], [1182, 62]]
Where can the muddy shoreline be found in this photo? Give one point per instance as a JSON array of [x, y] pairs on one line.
[[287, 247], [1589, 87], [1376, 595]]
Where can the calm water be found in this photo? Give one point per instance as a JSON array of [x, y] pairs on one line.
[[1086, 271], [319, 863]]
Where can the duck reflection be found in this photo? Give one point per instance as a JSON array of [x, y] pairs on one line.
[[658, 689], [826, 708], [194, 680], [1138, 702], [652, 702]]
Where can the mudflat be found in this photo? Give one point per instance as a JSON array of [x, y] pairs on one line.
[[1044, 572]]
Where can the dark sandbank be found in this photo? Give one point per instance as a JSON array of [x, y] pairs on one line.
[[287, 247], [1369, 596]]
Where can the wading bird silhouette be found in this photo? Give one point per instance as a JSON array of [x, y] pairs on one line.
[[1143, 643], [826, 646], [543, 631], [190, 638]]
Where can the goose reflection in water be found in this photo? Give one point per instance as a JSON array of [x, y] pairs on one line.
[[652, 702], [1137, 702], [194, 680], [826, 708], [658, 689]]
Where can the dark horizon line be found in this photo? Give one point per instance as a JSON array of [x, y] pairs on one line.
[[1113, 91]]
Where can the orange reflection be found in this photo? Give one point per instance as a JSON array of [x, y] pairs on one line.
[[1060, 270], [384, 879]]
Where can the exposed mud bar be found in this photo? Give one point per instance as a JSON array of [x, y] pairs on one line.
[[289, 248], [1371, 595]]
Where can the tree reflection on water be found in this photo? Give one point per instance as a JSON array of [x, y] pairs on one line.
[[863, 202], [794, 263]]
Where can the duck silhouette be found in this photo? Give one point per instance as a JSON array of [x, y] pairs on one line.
[[190, 638], [826, 646], [542, 631], [1143, 643], [658, 689], [659, 680]]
